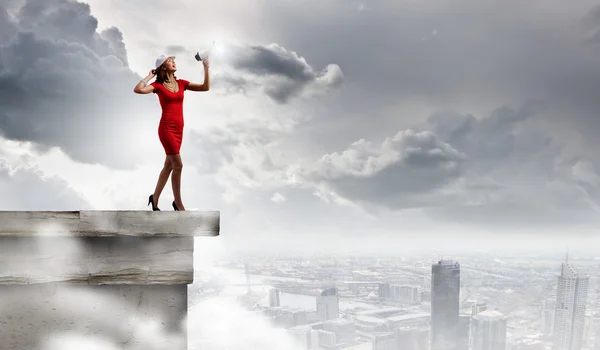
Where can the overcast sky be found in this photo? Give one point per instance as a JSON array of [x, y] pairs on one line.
[[327, 122]]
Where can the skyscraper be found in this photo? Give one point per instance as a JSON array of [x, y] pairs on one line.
[[274, 297], [488, 331], [464, 329], [445, 290], [569, 317], [597, 332], [328, 304]]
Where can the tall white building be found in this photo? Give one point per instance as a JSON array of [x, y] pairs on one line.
[[463, 332], [569, 317], [597, 332], [588, 332], [328, 304], [274, 297], [488, 331], [445, 305]]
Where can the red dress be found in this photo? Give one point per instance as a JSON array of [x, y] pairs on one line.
[[170, 128]]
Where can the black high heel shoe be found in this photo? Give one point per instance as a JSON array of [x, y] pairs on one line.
[[175, 206], [151, 200]]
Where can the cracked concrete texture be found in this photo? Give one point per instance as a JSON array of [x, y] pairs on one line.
[[44, 316], [96, 260]]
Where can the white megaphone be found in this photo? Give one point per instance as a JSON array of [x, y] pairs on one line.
[[204, 54]]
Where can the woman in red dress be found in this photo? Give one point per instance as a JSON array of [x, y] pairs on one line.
[[170, 92]]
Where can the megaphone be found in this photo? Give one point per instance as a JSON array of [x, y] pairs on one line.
[[204, 54]]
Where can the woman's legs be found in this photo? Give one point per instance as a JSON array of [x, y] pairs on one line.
[[177, 165], [162, 179]]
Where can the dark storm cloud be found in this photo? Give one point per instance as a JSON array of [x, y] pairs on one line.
[[114, 38], [64, 84], [491, 169], [537, 184], [280, 73], [496, 56], [483, 53], [274, 60], [70, 21], [486, 140], [404, 171]]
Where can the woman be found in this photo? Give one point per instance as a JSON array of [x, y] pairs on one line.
[[170, 130]]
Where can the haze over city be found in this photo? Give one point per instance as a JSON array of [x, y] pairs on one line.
[[501, 299]]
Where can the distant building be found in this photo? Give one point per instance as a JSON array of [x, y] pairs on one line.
[[445, 304], [588, 332], [413, 338], [597, 332], [463, 333], [386, 341], [302, 335], [405, 338], [285, 317], [426, 296], [478, 307], [528, 344], [274, 298], [488, 331], [344, 330], [384, 290], [569, 317], [406, 293], [326, 340], [328, 304], [548, 321]]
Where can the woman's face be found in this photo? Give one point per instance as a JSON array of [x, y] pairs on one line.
[[170, 65]]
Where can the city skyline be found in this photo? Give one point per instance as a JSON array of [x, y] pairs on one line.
[[511, 290]]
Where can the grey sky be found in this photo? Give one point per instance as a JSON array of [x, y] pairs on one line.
[[342, 117]]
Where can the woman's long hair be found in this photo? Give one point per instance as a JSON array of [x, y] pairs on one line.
[[161, 74]]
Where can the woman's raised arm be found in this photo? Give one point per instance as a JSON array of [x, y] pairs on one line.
[[206, 85], [142, 87]]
